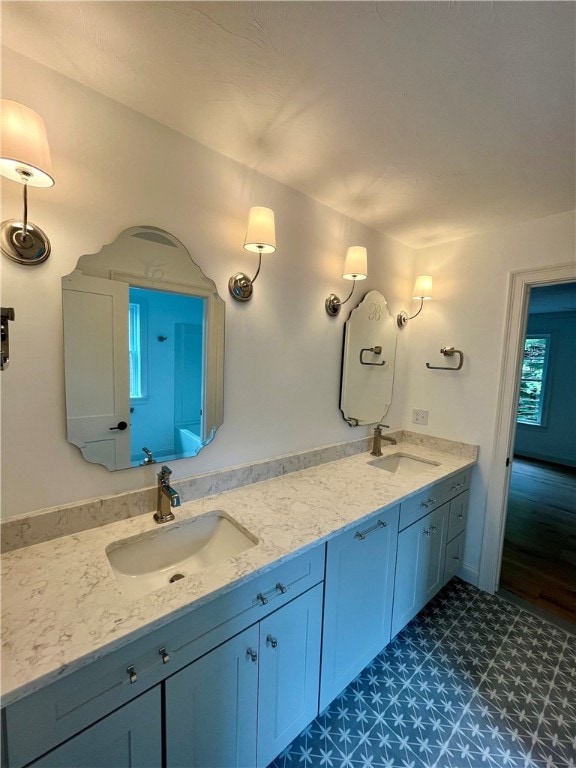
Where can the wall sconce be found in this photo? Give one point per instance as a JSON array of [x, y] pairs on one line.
[[25, 158], [422, 290], [260, 238], [354, 269]]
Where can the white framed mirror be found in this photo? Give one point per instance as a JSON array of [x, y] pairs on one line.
[[368, 360], [143, 352]]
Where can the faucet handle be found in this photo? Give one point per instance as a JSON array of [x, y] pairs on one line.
[[164, 474], [387, 426]]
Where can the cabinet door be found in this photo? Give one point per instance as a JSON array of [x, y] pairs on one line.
[[458, 515], [289, 673], [358, 600], [131, 737], [454, 557], [419, 565], [211, 708]]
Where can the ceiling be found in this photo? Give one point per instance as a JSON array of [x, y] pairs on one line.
[[429, 121]]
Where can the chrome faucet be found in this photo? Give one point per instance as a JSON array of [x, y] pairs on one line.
[[378, 437], [167, 497], [149, 458]]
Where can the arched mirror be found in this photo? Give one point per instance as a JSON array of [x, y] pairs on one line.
[[368, 361], [143, 350]]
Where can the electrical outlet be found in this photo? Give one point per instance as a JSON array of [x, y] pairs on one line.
[[419, 416]]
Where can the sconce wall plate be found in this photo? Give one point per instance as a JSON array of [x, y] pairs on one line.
[[240, 286], [32, 249]]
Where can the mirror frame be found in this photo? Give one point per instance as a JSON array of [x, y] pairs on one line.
[[367, 373], [150, 274]]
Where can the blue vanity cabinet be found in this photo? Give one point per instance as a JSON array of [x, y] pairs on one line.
[[243, 702], [71, 705], [430, 544], [211, 707], [290, 643], [456, 537], [359, 589], [419, 565], [130, 737]]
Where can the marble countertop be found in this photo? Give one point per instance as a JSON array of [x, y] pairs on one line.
[[61, 604]]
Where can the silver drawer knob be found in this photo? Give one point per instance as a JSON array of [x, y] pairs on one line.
[[251, 653], [272, 641]]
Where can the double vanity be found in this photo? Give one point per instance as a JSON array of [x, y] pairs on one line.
[[216, 639]]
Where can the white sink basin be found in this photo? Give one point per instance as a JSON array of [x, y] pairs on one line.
[[403, 465], [145, 563]]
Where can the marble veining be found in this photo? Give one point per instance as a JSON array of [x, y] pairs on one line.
[[62, 607], [47, 524]]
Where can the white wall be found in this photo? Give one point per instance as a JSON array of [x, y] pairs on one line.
[[468, 312], [115, 169]]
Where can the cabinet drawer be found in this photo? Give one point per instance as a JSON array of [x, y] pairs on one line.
[[66, 706], [419, 505], [454, 557], [458, 515]]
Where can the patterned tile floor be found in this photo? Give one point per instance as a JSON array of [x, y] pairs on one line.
[[471, 682]]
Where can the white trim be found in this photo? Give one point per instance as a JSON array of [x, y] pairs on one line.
[[469, 574], [499, 478]]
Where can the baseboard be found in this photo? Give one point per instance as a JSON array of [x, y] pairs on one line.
[[557, 461], [469, 574]]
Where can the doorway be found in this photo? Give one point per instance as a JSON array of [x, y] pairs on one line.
[[520, 284], [539, 551]]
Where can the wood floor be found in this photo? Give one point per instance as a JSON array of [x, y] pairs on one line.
[[539, 558]]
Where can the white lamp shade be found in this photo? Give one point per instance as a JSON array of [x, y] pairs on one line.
[[261, 233], [422, 287], [355, 264], [24, 145]]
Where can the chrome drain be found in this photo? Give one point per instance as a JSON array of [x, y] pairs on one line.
[[176, 577]]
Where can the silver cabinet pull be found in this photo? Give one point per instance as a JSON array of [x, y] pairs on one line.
[[460, 516], [455, 557], [428, 501], [132, 676], [272, 641], [251, 653], [262, 598], [165, 655], [281, 588], [433, 529], [362, 534], [427, 532]]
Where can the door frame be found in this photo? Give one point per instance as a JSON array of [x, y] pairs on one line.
[[519, 286]]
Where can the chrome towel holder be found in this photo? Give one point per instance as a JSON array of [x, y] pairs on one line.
[[448, 352]]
